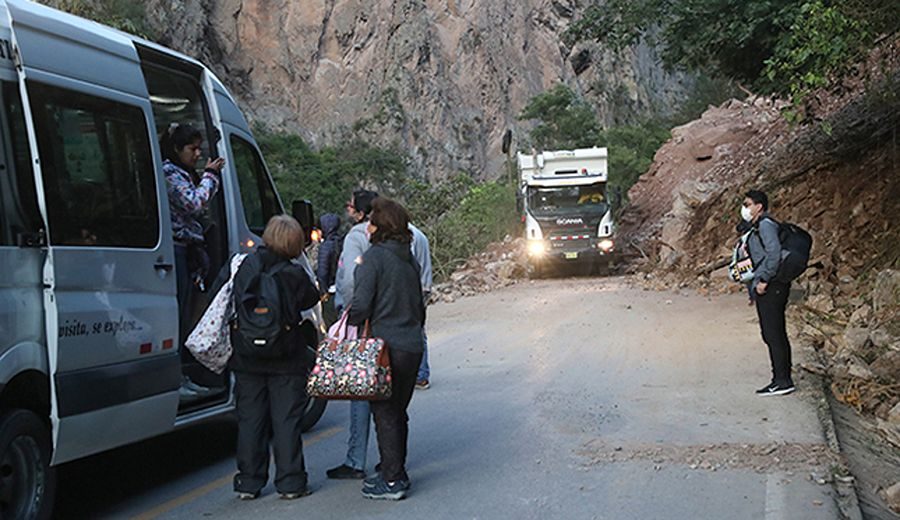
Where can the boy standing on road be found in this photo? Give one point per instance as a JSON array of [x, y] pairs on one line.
[[769, 293]]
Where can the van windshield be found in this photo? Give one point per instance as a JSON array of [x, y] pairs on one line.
[[559, 200]]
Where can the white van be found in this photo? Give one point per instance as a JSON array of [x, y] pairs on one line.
[[89, 332]]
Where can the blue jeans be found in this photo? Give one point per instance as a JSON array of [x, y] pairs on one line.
[[358, 443], [424, 369]]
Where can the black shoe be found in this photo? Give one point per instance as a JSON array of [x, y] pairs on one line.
[[246, 495], [382, 490], [776, 389], [345, 472], [293, 496]]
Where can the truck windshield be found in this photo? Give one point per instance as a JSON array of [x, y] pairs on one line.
[[568, 199]]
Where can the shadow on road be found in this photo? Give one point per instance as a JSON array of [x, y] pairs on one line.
[[90, 486]]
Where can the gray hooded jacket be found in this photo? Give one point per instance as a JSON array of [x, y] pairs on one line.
[[765, 249]]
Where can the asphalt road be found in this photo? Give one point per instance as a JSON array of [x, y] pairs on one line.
[[576, 398]]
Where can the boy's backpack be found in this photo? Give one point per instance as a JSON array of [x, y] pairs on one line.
[[796, 244], [259, 325]]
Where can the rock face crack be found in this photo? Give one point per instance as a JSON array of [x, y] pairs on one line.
[[323, 34]]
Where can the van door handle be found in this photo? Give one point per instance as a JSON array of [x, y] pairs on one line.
[[162, 266]]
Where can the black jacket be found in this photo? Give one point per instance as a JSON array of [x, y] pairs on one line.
[[387, 292], [329, 250], [299, 293]]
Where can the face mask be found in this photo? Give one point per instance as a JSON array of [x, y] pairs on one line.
[[746, 214]]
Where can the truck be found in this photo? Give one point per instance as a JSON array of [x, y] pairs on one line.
[[567, 208], [90, 336]]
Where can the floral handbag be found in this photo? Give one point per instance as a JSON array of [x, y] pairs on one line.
[[348, 367], [210, 341]]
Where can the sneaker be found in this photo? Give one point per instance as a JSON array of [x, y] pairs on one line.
[[382, 490], [244, 495], [294, 496], [372, 481], [775, 389], [423, 384], [345, 472]]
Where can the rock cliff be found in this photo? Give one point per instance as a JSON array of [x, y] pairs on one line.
[[443, 79]]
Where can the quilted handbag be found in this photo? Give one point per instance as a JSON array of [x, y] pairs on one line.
[[210, 341], [350, 367]]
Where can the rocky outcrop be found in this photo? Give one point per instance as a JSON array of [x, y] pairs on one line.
[[443, 79]]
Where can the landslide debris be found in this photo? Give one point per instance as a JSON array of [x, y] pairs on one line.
[[837, 176], [501, 264]]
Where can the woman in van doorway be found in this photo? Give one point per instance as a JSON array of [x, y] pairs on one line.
[[387, 293], [188, 200]]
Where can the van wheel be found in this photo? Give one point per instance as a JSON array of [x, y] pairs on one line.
[[27, 482], [312, 413]]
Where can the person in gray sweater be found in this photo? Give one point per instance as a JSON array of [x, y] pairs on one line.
[[387, 293], [769, 292]]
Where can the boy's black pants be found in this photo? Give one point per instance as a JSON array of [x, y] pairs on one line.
[[770, 308], [270, 409]]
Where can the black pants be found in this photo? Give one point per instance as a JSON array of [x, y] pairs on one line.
[[770, 307], [391, 420], [270, 409]]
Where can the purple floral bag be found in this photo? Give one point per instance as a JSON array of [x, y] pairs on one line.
[[348, 367]]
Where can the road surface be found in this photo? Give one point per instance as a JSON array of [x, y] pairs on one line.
[[574, 398]]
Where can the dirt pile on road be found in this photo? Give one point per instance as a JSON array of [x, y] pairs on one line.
[[837, 176], [500, 265]]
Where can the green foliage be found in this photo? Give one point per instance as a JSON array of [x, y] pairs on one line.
[[124, 15], [328, 176], [821, 42], [565, 121], [486, 213], [777, 46]]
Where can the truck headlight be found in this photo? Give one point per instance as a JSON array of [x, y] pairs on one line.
[[536, 248], [606, 245]]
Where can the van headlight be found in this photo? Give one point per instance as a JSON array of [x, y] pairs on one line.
[[606, 245], [536, 248]]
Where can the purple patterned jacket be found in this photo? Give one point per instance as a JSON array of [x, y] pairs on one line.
[[187, 201]]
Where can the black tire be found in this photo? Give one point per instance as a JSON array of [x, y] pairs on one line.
[[27, 482], [313, 412]]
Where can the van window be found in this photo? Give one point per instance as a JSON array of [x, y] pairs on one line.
[[19, 201], [257, 193], [97, 166], [177, 98]]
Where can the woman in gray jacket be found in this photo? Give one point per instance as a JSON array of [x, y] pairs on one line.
[[387, 293]]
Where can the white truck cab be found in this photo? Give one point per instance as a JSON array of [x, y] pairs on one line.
[[89, 322], [566, 206]]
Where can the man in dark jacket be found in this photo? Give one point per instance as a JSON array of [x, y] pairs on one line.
[[329, 251], [769, 293]]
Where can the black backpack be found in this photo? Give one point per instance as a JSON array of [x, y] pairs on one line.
[[259, 326], [796, 244]]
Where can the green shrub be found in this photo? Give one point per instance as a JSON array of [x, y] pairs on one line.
[[485, 214]]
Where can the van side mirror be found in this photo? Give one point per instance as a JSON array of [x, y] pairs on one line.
[[302, 210]]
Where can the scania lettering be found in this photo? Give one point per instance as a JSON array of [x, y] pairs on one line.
[[89, 350], [566, 207]]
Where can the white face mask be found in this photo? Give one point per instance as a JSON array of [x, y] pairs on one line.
[[746, 214]]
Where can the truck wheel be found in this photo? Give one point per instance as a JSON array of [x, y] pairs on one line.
[[27, 482], [313, 412]]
